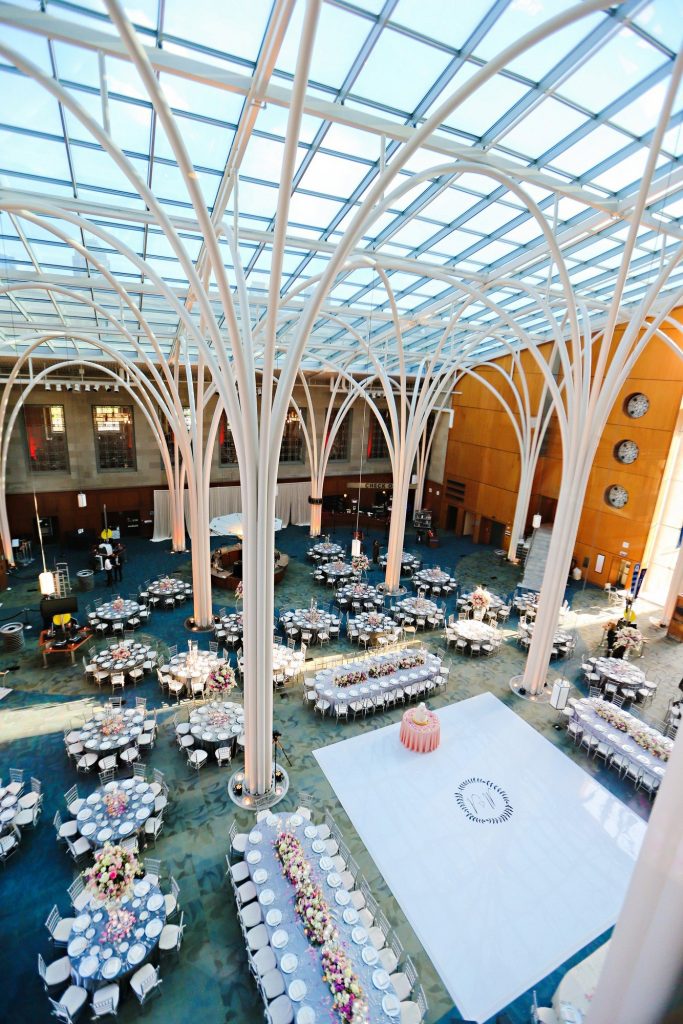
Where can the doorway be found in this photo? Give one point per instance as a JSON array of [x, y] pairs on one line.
[[451, 518]]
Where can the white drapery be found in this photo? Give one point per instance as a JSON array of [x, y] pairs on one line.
[[291, 506]]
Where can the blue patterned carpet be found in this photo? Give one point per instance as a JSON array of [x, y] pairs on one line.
[[210, 981]]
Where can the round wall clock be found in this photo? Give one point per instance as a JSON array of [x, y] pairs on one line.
[[626, 451], [616, 496], [636, 405]]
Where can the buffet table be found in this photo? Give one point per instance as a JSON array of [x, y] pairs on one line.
[[420, 735], [50, 644]]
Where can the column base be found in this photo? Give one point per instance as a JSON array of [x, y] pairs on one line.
[[194, 627], [519, 690], [241, 796], [399, 591]]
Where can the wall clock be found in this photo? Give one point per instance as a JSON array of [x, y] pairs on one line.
[[626, 451], [616, 496], [636, 405]]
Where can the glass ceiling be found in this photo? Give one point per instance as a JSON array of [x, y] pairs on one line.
[[572, 118]]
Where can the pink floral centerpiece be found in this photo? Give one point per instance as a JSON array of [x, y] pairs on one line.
[[221, 680], [360, 563], [239, 591], [112, 725], [118, 605], [121, 653], [337, 565], [115, 803], [480, 599], [119, 926], [352, 678], [110, 880], [374, 620], [647, 738], [309, 902], [346, 990], [628, 638]]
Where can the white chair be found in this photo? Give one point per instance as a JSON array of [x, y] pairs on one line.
[[223, 756], [171, 898], [129, 755], [153, 827], [197, 759], [171, 937], [64, 828], [59, 927], [70, 1004], [79, 895], [9, 843], [238, 840], [256, 938], [280, 1011], [56, 973], [413, 1012], [105, 1001], [271, 985], [78, 849], [86, 763], [404, 980], [145, 981], [27, 818], [250, 916]]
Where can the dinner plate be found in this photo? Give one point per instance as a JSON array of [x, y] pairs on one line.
[[88, 828], [142, 813], [107, 952], [105, 745], [334, 880], [155, 902], [141, 788], [126, 827], [126, 784], [98, 916], [104, 834], [81, 922], [139, 932], [289, 963], [306, 1015], [90, 934], [136, 953], [111, 967], [295, 820], [350, 915], [342, 897], [326, 863], [153, 928], [380, 979], [260, 875], [271, 820], [273, 917], [266, 897], [148, 798], [391, 1005], [279, 939], [254, 856], [84, 814], [141, 888], [94, 798], [88, 966], [359, 935], [297, 990], [642, 759], [255, 836], [77, 946], [370, 955], [318, 846]]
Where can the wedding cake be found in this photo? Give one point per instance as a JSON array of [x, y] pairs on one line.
[[421, 714]]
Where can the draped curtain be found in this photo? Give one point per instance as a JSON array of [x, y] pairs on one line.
[[291, 506]]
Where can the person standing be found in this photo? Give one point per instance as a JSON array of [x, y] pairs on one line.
[[117, 562], [108, 568]]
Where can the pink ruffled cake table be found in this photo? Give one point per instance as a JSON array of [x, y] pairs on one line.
[[420, 736]]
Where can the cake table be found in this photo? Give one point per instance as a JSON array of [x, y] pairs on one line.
[[420, 730]]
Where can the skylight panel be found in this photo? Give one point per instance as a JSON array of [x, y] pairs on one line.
[[201, 100], [625, 172], [263, 159], [414, 233], [339, 37], [483, 108], [312, 210], [30, 46], [256, 199], [492, 252], [349, 141], [491, 218], [28, 104], [542, 128], [455, 242], [450, 204], [207, 144], [618, 65], [602, 143], [332, 175], [450, 24], [640, 116], [230, 28], [522, 16], [384, 77], [272, 120], [95, 167], [524, 233], [661, 20], [33, 156]]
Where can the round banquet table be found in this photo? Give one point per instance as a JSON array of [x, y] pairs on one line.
[[560, 636], [417, 607], [217, 723], [109, 733], [233, 624], [429, 578], [473, 630], [623, 673], [418, 737], [360, 592], [337, 570], [327, 550], [117, 611], [193, 665], [98, 826], [465, 601], [166, 586], [309, 620], [408, 561], [374, 624], [96, 960], [123, 657]]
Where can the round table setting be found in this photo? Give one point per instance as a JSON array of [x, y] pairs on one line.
[[326, 550], [409, 563], [8, 807], [123, 657], [561, 637], [360, 593], [375, 625], [232, 624], [337, 571], [118, 610], [115, 811], [166, 586], [193, 665], [420, 729], [474, 631], [495, 603], [309, 620], [428, 579], [217, 723], [108, 733], [96, 951], [616, 670], [412, 608], [286, 660]]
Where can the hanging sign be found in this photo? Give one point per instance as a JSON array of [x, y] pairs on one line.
[[640, 582], [634, 578]]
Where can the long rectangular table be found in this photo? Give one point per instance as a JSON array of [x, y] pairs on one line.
[[309, 968]]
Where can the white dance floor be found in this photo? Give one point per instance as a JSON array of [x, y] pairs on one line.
[[505, 856]]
